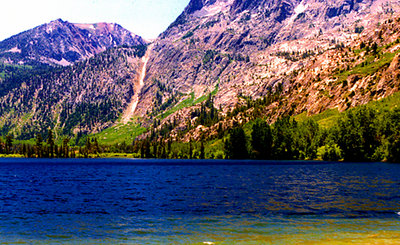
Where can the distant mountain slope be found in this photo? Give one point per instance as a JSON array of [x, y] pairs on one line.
[[82, 98], [63, 43]]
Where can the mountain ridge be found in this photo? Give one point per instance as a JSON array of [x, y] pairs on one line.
[[63, 43]]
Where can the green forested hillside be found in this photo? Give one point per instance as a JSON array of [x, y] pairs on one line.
[[365, 133], [78, 99]]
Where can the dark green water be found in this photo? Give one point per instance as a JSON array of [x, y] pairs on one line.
[[114, 201]]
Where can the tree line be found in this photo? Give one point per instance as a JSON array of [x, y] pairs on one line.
[[361, 134], [48, 148]]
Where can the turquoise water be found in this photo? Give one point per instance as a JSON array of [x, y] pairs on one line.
[[124, 201]]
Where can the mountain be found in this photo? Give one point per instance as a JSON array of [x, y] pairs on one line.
[[62, 43], [85, 97], [251, 49], [220, 64]]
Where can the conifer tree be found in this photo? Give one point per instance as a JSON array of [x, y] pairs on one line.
[[66, 147], [261, 140], [39, 146], [50, 142], [9, 143], [190, 149], [235, 146], [202, 155]]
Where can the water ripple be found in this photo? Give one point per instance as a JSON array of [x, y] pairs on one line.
[[175, 203]]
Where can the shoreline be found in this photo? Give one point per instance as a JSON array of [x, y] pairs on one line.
[[125, 156]]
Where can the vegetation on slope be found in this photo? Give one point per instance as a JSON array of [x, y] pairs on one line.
[[79, 99], [365, 133], [277, 125]]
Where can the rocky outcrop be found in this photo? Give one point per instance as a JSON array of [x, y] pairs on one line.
[[341, 8], [241, 5]]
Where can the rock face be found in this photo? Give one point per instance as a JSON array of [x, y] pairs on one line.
[[63, 43], [243, 47]]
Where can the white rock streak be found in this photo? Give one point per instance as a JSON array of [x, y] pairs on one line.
[[130, 111], [14, 50], [300, 8]]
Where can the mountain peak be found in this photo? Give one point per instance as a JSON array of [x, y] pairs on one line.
[[61, 42], [209, 7], [195, 5], [101, 26], [59, 20]]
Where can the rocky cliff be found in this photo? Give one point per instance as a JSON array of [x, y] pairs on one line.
[[240, 45]]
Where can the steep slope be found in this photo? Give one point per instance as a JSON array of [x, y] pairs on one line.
[[300, 50], [227, 42], [130, 111], [79, 99], [63, 43]]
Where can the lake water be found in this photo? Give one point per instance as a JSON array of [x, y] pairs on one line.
[[124, 201]]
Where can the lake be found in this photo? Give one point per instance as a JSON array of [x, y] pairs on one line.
[[128, 201]]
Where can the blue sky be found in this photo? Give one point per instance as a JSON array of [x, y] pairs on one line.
[[147, 18]]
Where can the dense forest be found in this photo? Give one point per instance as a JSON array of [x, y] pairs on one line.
[[360, 134]]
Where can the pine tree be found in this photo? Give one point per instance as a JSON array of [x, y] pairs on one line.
[[261, 140], [39, 146], [163, 154], [24, 150], [50, 142], [190, 149], [202, 154], [66, 147], [9, 143], [155, 149], [236, 145], [56, 153], [96, 147], [2, 146], [88, 146]]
